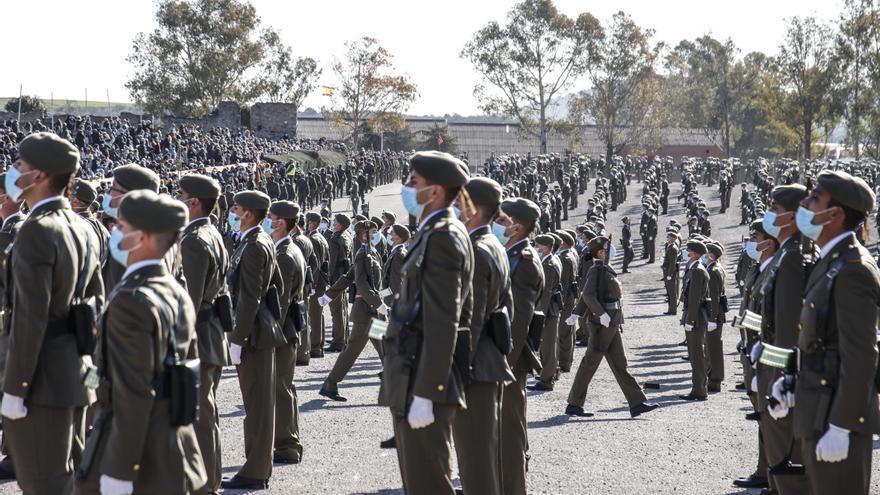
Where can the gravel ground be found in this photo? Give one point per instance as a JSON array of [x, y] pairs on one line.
[[693, 448]]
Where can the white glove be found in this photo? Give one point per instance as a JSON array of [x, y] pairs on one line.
[[113, 486], [235, 354], [13, 407], [834, 445], [712, 326], [383, 309], [605, 320], [753, 386], [781, 409], [421, 413], [669, 277], [756, 352], [324, 300], [688, 328], [571, 320], [311, 292]]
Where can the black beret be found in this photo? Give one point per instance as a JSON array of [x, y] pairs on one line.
[[200, 186], [401, 231], [566, 237], [789, 196], [133, 177], [484, 192], [389, 215], [252, 200], [696, 246], [145, 210], [521, 209], [84, 191], [313, 217], [598, 242], [363, 225], [544, 240], [440, 168], [285, 209], [377, 221], [847, 190], [343, 219], [50, 153], [715, 248]]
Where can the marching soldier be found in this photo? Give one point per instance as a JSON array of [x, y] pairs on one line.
[[340, 245], [140, 442], [477, 428], [205, 262], [600, 300], [781, 304], [54, 260], [717, 316], [420, 382], [694, 318], [366, 277], [527, 283], [836, 410], [568, 258], [282, 218], [319, 284], [252, 272]]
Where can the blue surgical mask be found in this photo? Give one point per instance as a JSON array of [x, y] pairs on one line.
[[377, 238], [116, 252], [684, 256], [389, 239], [410, 203], [105, 205], [234, 222], [12, 189], [752, 250], [768, 220], [804, 219], [612, 252], [456, 212], [267, 225], [499, 231], [705, 259]]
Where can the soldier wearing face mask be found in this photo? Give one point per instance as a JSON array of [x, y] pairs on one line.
[[81, 200]]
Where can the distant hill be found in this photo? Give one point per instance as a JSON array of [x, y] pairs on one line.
[[64, 106]]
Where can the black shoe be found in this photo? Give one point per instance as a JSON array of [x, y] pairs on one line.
[[5, 474], [333, 348], [391, 443], [540, 387], [685, 358], [578, 411], [714, 388], [304, 362], [683, 343], [566, 369], [332, 395], [580, 343], [768, 491], [692, 397], [642, 408], [244, 483], [740, 386], [753, 416], [316, 354], [277, 459], [669, 313]]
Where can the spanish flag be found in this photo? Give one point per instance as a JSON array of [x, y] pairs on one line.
[[327, 90]]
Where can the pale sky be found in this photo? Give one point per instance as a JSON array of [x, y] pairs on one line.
[[64, 47]]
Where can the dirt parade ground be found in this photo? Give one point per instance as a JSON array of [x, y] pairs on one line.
[[684, 447]]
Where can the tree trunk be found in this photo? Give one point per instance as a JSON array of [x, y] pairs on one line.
[[808, 140], [609, 151]]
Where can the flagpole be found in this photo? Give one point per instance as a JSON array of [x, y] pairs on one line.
[[19, 106], [52, 109], [86, 107]]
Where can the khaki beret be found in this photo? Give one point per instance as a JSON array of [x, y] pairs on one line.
[[50, 153], [566, 237], [342, 219], [789, 196], [598, 242], [401, 231], [696, 246], [285, 209], [440, 168], [252, 200], [521, 209], [544, 240], [133, 177], [484, 192], [200, 186], [715, 248], [84, 191], [847, 190], [148, 211]]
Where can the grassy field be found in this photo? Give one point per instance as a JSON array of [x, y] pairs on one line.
[[63, 105]]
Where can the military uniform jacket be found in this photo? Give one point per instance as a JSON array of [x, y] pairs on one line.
[[491, 292], [568, 281], [205, 263], [670, 262], [321, 275], [716, 290], [8, 231], [392, 271], [695, 294], [292, 266], [308, 253], [527, 285], [600, 288], [584, 265], [252, 271], [782, 294], [552, 277], [366, 274], [45, 367], [101, 232], [836, 379], [138, 442], [424, 322], [340, 255]]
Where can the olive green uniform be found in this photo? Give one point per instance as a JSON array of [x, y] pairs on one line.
[[694, 297]]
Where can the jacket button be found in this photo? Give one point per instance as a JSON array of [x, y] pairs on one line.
[[823, 382], [812, 305], [136, 467], [440, 388], [861, 420], [24, 384], [800, 327]]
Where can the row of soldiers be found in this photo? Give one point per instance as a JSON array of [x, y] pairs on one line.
[[808, 324]]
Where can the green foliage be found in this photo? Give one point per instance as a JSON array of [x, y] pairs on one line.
[[436, 138], [28, 104], [395, 140]]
